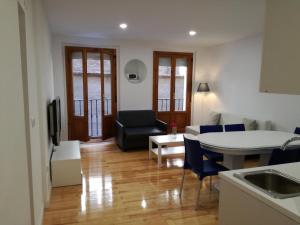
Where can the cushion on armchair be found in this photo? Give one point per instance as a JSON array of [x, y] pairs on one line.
[[250, 124], [213, 118], [136, 132], [136, 118]]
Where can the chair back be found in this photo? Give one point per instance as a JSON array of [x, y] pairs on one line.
[[210, 129], [193, 155], [281, 157], [288, 156], [234, 127]]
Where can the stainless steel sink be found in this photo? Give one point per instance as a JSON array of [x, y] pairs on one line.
[[272, 182]]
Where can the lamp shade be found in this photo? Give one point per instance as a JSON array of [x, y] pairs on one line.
[[203, 87]]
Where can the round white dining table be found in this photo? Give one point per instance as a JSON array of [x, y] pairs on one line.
[[235, 145]]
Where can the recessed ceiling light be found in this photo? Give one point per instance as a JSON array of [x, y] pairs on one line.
[[192, 33], [123, 26]]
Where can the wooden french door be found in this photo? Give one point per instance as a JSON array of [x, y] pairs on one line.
[[91, 92], [172, 87]]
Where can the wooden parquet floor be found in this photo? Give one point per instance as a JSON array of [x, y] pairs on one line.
[[125, 188]]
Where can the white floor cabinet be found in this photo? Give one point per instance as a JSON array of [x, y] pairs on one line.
[[66, 164]]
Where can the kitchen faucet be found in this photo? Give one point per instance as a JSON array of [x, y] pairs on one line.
[[285, 145]]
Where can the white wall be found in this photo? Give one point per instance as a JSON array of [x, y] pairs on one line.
[[14, 189], [206, 71], [130, 96], [45, 89], [34, 129], [235, 72], [40, 85], [22, 170], [232, 70]]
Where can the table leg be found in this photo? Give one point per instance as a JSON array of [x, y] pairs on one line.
[[233, 162], [150, 149], [159, 156], [264, 159]]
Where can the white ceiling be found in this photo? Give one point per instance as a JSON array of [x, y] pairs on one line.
[[216, 21]]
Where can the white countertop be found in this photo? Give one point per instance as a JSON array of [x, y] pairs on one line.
[[289, 207]]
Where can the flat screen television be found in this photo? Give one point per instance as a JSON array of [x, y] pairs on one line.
[[54, 120]]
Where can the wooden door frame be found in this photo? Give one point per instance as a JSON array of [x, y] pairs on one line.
[[173, 56], [69, 87], [112, 117], [69, 83]]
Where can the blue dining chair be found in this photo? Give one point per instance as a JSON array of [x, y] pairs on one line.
[[279, 156], [212, 129], [234, 127], [194, 161]]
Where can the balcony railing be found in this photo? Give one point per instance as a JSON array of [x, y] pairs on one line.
[[94, 111], [94, 114], [164, 104]]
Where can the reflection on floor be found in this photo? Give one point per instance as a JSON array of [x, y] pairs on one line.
[[126, 188]]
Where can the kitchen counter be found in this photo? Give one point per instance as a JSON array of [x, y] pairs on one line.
[[289, 207]]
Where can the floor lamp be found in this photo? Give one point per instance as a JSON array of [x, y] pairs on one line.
[[202, 88]]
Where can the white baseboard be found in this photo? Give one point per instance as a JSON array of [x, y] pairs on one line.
[[41, 216], [48, 195]]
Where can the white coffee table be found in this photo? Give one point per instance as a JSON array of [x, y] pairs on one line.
[[163, 142]]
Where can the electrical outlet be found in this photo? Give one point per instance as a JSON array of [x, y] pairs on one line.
[[33, 122]]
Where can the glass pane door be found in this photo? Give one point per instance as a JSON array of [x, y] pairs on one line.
[[108, 92], [94, 94], [107, 84], [91, 86], [164, 84], [172, 87], [77, 78], [180, 84]]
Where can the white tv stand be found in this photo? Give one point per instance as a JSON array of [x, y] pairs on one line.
[[66, 164]]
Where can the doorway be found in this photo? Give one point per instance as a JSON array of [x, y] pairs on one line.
[[91, 92], [172, 87]]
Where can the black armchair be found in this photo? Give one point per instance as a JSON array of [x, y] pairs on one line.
[[135, 126]]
